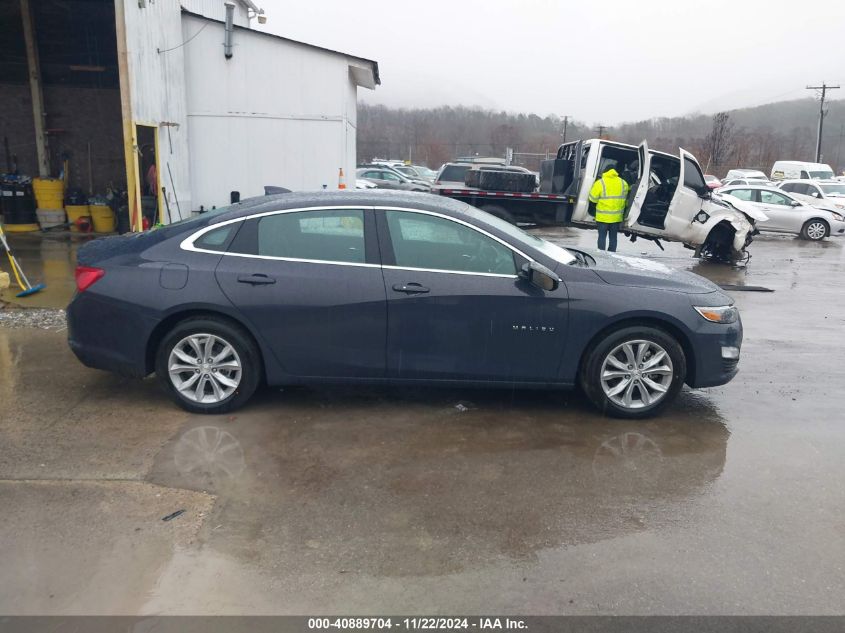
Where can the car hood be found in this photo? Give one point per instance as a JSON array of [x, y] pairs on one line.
[[638, 272]]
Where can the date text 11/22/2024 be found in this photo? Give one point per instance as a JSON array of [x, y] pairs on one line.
[[418, 623]]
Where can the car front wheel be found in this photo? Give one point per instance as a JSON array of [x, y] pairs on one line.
[[815, 230], [634, 372], [208, 365]]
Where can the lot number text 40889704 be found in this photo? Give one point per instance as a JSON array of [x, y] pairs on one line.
[[419, 623]]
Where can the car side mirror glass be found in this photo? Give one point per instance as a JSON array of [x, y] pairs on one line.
[[795, 203], [539, 276]]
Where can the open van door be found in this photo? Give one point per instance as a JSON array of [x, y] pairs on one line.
[[689, 196], [636, 197]]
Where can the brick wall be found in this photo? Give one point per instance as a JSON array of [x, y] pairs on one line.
[[85, 114]]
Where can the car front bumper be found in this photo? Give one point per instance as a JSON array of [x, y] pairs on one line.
[[717, 350]]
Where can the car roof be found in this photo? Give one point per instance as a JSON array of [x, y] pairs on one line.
[[814, 181], [352, 197], [756, 187]]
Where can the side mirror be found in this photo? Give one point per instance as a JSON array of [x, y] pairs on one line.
[[794, 203], [539, 276]]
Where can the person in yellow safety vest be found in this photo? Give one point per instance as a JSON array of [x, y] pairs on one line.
[[609, 193]]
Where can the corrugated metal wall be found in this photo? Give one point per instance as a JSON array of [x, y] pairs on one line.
[[276, 113], [157, 88]]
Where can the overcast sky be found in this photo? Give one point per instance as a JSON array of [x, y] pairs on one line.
[[600, 62]]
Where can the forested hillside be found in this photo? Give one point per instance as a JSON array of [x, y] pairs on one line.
[[751, 137]]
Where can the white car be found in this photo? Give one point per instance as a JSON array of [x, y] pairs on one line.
[[786, 213], [824, 194], [753, 174], [746, 181]]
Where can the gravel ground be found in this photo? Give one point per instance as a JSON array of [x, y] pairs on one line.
[[39, 318]]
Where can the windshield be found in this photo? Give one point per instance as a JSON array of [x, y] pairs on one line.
[[557, 253], [820, 175], [834, 190]]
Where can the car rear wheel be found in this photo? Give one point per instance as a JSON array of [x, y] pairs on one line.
[[634, 372], [208, 365], [815, 230]]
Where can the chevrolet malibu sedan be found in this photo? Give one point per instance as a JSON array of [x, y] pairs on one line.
[[389, 287]]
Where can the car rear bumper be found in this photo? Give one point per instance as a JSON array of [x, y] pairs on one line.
[[106, 335]]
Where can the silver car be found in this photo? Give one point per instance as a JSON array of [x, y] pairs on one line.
[[788, 214]]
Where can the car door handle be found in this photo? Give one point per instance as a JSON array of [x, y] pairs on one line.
[[256, 280], [411, 288]]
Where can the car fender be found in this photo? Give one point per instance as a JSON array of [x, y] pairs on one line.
[[741, 225]]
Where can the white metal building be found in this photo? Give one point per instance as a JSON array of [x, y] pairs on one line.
[[272, 111], [210, 119]]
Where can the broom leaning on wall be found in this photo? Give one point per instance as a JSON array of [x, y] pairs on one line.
[[26, 287]]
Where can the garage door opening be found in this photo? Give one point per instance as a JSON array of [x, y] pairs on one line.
[[61, 103]]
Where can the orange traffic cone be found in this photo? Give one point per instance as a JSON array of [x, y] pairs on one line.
[[341, 183]]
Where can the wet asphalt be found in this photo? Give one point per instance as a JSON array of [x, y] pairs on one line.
[[367, 501]]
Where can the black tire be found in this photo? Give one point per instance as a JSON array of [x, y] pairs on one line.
[[594, 362], [246, 353], [811, 230]]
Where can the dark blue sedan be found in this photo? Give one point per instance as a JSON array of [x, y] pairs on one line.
[[387, 287]]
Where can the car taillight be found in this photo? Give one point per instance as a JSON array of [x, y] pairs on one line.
[[86, 276]]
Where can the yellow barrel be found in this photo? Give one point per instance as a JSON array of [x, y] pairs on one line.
[[103, 218], [49, 193], [75, 212]]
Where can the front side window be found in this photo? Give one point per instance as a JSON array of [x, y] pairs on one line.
[[389, 175], [434, 243], [325, 235], [692, 176], [772, 197]]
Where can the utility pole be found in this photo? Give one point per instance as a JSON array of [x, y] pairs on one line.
[[824, 88], [601, 129], [565, 123]]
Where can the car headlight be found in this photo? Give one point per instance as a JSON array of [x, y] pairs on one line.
[[721, 314], [837, 216]]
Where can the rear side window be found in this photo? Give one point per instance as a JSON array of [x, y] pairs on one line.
[[432, 243], [454, 173], [325, 235], [216, 239], [743, 194]]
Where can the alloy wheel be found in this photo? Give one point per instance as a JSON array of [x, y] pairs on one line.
[[204, 368], [816, 230], [636, 374]]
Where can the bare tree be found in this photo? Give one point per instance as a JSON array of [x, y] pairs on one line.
[[720, 142]]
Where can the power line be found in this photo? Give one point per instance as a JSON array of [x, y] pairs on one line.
[[824, 88]]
